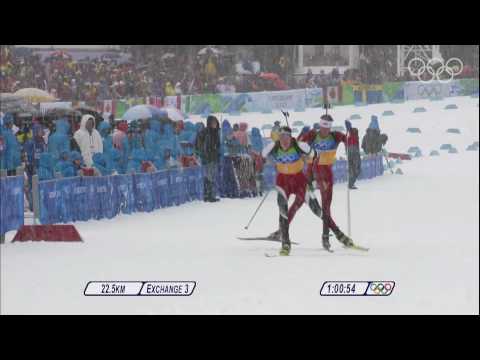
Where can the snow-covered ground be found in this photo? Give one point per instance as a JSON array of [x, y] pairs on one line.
[[421, 227]]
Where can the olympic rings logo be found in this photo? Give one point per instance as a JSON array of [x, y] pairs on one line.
[[417, 68], [381, 288]]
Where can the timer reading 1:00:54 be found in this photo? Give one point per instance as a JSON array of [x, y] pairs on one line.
[[357, 288]]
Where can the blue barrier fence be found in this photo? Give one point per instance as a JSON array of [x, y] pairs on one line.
[[85, 198], [11, 203]]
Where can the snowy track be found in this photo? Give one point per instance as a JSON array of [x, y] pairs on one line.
[[421, 227]]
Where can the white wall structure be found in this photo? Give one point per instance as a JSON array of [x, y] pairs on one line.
[[405, 53], [326, 57]]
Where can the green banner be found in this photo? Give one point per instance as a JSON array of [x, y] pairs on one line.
[[468, 86], [393, 91], [121, 108], [213, 102], [347, 94]]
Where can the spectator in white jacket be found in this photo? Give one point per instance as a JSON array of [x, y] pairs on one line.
[[88, 139]]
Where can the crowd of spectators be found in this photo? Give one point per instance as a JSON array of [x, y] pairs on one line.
[[168, 74], [68, 147]]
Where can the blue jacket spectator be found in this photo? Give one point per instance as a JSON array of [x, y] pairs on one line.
[[256, 140], [101, 164], [130, 142], [226, 135], [199, 126], [187, 139], [104, 128], [65, 166], [11, 152], [77, 161], [151, 140], [169, 140], [135, 163], [116, 158], [59, 141], [45, 169], [34, 147]]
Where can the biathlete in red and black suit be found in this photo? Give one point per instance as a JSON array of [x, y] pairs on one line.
[[289, 157], [325, 143]]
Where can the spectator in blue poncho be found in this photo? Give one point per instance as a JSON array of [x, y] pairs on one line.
[[168, 140], [116, 158], [130, 142], [225, 144], [256, 140], [199, 126], [152, 139], [2, 146], [64, 165], [104, 128], [46, 165], [33, 148], [77, 162], [188, 136], [11, 152], [101, 164], [59, 141], [135, 163]]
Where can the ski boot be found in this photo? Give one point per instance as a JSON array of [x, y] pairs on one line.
[[344, 239], [285, 250], [326, 242]]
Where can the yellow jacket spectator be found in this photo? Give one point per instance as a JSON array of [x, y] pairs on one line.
[[169, 89], [210, 68]]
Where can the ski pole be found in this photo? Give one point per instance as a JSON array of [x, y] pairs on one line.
[[349, 228], [258, 208], [286, 114]]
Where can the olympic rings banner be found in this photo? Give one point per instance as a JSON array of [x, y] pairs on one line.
[[416, 90]]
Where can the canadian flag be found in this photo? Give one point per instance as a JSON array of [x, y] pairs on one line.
[[333, 94], [109, 107]]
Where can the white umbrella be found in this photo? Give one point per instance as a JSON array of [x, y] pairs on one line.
[[215, 51], [173, 113], [137, 113], [168, 56]]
